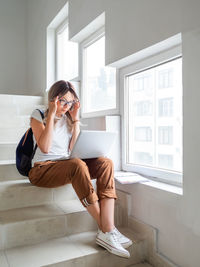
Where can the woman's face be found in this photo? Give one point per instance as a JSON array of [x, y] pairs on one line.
[[65, 103]]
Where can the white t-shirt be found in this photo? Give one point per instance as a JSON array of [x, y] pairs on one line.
[[60, 140]]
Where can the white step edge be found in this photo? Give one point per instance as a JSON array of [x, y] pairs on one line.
[[7, 162], [73, 250], [141, 265], [4, 143]]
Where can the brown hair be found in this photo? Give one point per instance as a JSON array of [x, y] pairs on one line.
[[60, 88]]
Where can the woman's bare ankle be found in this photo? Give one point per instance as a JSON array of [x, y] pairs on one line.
[[107, 228]]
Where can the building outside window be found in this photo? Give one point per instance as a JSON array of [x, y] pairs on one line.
[[153, 119], [166, 107], [143, 108], [165, 161], [165, 135], [143, 134], [165, 78]]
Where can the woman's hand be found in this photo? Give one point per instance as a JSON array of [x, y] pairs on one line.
[[53, 106], [74, 111]]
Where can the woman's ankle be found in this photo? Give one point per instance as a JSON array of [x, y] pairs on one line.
[[107, 228]]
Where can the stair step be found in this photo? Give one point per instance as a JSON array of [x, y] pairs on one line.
[[7, 151], [7, 121], [21, 193], [3, 260], [20, 109], [12, 135], [31, 225], [7, 100], [141, 265], [8, 171], [7, 162], [74, 250]]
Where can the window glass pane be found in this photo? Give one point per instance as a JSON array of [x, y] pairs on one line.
[[155, 117], [99, 81], [67, 57]]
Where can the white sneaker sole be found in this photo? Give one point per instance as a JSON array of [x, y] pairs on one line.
[[112, 249]]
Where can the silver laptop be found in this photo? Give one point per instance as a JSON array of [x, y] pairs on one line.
[[93, 144]]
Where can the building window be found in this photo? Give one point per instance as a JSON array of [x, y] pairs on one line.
[[66, 54], [99, 81], [165, 135], [143, 157], [165, 107], [165, 78], [143, 108], [153, 119], [142, 82], [165, 161], [143, 134]]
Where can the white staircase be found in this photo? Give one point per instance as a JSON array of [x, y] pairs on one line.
[[49, 226], [15, 113]]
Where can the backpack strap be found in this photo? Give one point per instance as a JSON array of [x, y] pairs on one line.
[[34, 150], [41, 113]]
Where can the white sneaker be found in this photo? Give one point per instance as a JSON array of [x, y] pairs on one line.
[[110, 242], [123, 240]]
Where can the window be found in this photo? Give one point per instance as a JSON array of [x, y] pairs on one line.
[[165, 78], [142, 83], [166, 107], [143, 134], [99, 81], [165, 161], [143, 108], [165, 135], [153, 119], [66, 55]]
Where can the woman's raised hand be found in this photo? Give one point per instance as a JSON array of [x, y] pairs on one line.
[[53, 105], [74, 111]]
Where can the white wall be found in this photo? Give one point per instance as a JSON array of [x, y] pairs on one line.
[[134, 25], [40, 13], [130, 27], [13, 47]]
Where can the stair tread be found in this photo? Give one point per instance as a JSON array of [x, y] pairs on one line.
[[15, 183], [141, 265], [40, 211], [8, 143], [62, 249], [7, 162]]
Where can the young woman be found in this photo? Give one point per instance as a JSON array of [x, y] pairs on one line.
[[56, 136]]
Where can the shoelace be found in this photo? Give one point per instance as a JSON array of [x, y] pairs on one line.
[[117, 232], [114, 237]]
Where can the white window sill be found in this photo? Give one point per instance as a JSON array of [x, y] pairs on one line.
[[158, 185]]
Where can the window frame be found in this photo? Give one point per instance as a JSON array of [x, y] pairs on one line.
[[169, 177], [61, 27], [84, 44]]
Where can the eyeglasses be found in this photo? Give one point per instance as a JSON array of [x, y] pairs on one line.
[[65, 102]]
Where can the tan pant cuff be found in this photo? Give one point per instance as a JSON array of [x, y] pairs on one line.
[[90, 199], [109, 193]]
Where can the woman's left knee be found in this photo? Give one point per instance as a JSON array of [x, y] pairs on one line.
[[106, 161]]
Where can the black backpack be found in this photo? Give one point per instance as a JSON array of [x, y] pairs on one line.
[[25, 151]]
